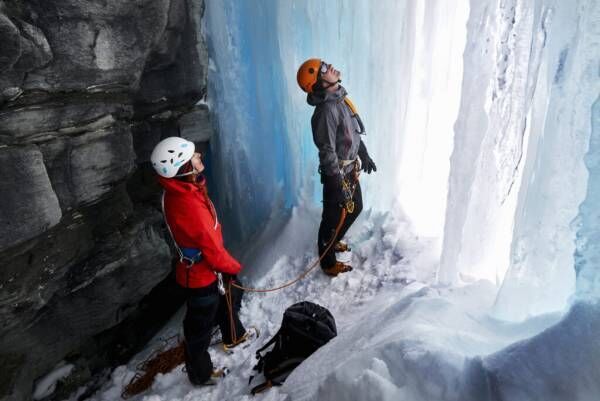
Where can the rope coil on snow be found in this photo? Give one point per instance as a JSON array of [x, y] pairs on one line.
[[160, 361]]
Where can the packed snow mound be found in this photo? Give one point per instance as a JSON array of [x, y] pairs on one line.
[[399, 337], [442, 345]]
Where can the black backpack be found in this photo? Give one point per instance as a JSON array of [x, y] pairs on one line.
[[304, 329]]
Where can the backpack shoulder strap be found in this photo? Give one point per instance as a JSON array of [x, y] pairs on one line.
[[261, 387], [350, 105], [268, 344], [352, 108]]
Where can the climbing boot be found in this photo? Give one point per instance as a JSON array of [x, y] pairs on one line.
[[216, 377], [250, 335], [341, 247], [337, 268]]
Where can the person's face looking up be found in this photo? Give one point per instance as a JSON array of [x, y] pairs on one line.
[[197, 163], [330, 75]]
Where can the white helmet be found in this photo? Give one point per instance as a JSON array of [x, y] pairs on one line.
[[170, 154]]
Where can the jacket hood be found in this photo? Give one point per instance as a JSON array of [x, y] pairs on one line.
[[175, 185], [316, 98]]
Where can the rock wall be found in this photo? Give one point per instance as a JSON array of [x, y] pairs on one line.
[[87, 88]]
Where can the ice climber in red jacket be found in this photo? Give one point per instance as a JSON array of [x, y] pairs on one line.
[[192, 220]]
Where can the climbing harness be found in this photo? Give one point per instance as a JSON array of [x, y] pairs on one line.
[[189, 256]]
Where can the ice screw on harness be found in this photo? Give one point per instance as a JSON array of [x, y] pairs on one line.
[[349, 204], [348, 188]]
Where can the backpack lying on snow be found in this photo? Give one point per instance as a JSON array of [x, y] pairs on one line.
[[305, 328]]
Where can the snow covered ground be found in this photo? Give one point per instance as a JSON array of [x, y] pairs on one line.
[[399, 336]]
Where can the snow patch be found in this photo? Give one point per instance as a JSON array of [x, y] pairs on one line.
[[47, 384]]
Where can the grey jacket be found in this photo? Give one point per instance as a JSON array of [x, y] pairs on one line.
[[335, 131]]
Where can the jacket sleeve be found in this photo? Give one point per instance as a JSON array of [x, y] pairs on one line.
[[324, 126], [210, 243], [362, 151], [197, 228]]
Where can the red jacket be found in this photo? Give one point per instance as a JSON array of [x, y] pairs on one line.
[[194, 224]]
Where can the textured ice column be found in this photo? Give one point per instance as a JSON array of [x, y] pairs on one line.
[[541, 277], [587, 255], [501, 64]]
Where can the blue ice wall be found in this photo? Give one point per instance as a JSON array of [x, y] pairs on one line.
[[587, 254], [251, 151], [401, 64]]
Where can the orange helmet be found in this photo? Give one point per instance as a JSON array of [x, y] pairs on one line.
[[308, 74]]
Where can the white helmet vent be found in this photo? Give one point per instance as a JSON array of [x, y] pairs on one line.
[[162, 156]]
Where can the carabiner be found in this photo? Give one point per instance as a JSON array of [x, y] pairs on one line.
[[220, 284]]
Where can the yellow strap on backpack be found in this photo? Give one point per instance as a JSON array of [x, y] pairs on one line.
[[355, 114], [351, 105]]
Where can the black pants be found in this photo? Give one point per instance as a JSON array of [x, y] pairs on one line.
[[332, 211], [207, 308]]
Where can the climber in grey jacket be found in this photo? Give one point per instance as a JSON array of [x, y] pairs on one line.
[[337, 130]]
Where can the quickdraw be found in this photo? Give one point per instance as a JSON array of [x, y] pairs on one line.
[[349, 187]]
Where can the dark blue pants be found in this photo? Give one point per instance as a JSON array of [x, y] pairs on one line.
[[206, 308], [332, 211]]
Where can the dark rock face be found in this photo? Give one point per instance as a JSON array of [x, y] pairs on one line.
[[96, 43], [85, 167], [30, 209], [87, 88]]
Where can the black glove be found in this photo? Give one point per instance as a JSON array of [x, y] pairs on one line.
[[334, 189], [368, 165]]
